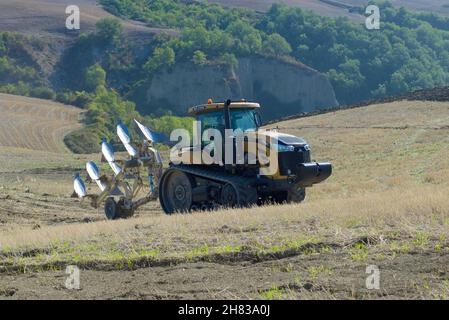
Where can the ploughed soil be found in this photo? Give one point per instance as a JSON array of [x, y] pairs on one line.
[[416, 275]]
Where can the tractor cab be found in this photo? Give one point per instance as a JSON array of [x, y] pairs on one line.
[[227, 115]]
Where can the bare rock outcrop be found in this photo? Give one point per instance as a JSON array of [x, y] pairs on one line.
[[283, 88]]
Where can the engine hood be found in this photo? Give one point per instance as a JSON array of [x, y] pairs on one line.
[[283, 138]]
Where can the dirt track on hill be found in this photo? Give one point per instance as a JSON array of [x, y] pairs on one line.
[[336, 8], [317, 6]]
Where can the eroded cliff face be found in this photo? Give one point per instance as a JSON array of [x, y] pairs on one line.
[[282, 88]]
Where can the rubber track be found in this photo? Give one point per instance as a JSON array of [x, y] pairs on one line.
[[247, 193]]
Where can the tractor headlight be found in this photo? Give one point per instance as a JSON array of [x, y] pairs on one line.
[[307, 147], [285, 148]]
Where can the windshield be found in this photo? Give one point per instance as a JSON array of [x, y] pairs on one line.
[[212, 120], [243, 119]]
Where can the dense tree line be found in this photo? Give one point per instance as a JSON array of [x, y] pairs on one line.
[[410, 51], [406, 54], [208, 28]]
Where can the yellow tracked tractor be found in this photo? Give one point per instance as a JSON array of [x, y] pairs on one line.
[[186, 186], [250, 166]]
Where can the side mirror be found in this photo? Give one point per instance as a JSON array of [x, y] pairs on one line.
[[258, 119]]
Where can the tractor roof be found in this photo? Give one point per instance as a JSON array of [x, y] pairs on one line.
[[215, 106]]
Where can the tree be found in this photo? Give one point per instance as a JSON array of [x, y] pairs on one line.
[[254, 42], [168, 122], [229, 59], [108, 29], [95, 77], [106, 108], [5, 66], [199, 37], [199, 58], [162, 57], [347, 80], [248, 39], [276, 45], [2, 46], [43, 93]]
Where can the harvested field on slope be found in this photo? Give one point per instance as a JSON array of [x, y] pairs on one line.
[[379, 147], [35, 124]]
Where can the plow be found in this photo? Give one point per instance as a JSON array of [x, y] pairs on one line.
[[186, 186], [120, 190]]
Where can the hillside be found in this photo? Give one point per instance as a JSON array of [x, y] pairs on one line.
[[44, 21], [338, 48], [386, 204], [334, 8], [214, 51], [47, 17], [36, 124]]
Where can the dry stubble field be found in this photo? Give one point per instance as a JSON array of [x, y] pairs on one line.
[[385, 205]]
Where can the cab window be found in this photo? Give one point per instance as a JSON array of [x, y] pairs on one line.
[[243, 119], [212, 120]]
